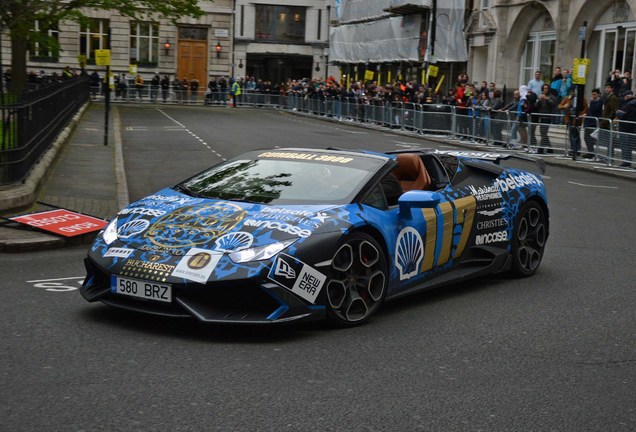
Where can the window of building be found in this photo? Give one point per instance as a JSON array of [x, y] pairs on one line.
[[280, 23], [144, 43], [93, 36], [43, 46], [484, 6], [538, 56]]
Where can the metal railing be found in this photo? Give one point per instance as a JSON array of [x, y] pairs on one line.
[[29, 127], [538, 133]]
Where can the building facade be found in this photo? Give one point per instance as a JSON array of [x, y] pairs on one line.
[[273, 39], [503, 41], [277, 40], [509, 40], [396, 40]]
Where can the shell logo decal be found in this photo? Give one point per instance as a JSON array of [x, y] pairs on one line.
[[409, 252]]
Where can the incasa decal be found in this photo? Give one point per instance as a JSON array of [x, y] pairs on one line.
[[142, 211], [194, 225], [298, 277], [197, 265], [278, 226], [494, 237]]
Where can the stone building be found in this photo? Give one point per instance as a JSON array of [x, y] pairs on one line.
[[504, 41], [509, 40], [273, 39]]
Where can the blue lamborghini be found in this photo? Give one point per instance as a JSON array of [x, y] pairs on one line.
[[281, 235]]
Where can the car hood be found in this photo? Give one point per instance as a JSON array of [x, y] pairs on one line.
[[169, 221]]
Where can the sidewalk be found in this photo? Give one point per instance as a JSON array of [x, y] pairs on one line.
[[84, 175]]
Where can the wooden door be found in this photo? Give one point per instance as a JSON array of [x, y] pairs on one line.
[[192, 61]]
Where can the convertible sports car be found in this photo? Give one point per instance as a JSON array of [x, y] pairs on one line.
[[285, 235]]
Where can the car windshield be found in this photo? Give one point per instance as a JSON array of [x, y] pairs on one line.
[[281, 181]]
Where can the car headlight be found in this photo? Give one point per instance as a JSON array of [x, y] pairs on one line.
[[260, 252], [110, 232]]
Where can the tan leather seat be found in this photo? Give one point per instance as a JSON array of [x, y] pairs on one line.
[[411, 172]]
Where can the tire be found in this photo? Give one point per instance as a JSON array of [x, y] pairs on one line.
[[357, 280], [529, 238]]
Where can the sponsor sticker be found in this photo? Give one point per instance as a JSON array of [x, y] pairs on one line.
[[493, 237], [298, 277], [116, 252], [485, 193], [490, 212], [144, 211], [132, 228], [409, 252], [493, 223], [306, 156], [278, 226], [197, 265], [514, 181]]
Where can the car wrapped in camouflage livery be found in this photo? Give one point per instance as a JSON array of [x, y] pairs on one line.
[[285, 235]]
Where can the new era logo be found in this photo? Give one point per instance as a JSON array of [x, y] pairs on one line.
[[283, 269]]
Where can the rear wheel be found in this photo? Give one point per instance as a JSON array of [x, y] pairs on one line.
[[357, 280], [528, 242]]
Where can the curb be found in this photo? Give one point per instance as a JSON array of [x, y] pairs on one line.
[[26, 194], [25, 240]]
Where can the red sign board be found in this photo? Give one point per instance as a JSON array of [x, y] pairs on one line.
[[62, 222]]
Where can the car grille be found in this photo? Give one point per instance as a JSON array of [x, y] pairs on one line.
[[242, 301]]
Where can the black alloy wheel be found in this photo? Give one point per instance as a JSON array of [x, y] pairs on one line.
[[529, 238], [357, 282]]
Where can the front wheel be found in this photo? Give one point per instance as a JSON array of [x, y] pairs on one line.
[[530, 236], [357, 280]]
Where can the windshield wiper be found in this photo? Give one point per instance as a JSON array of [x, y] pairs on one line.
[[183, 189]]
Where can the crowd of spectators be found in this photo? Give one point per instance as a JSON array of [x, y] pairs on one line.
[[41, 78], [542, 103], [538, 103]]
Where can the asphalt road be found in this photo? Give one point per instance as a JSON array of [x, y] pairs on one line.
[[554, 352]]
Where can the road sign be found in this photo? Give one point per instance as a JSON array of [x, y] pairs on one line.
[[102, 57], [579, 73], [62, 222]]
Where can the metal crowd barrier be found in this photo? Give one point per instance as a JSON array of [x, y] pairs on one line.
[[539, 133]]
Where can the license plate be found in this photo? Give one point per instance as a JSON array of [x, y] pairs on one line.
[[141, 289]]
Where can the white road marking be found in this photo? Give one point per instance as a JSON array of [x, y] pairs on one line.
[[405, 144], [58, 279], [593, 186], [58, 284], [192, 134]]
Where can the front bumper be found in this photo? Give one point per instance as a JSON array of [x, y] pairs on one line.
[[248, 301]]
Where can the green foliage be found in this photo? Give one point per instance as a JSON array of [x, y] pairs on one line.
[[19, 16]]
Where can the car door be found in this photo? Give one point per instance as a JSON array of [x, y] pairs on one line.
[[435, 228]]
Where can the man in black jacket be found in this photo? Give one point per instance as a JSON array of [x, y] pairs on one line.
[[627, 127]]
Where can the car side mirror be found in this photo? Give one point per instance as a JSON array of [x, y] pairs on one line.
[[418, 200]]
